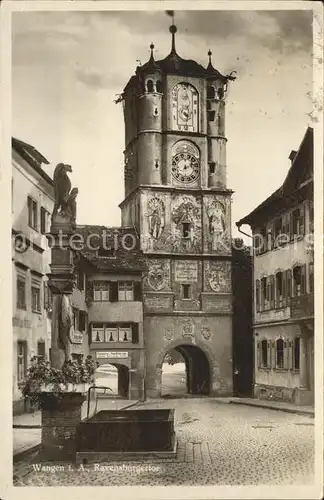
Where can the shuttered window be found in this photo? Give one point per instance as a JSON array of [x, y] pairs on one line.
[[264, 354], [279, 289], [279, 353]]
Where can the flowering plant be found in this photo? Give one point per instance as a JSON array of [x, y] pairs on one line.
[[41, 374]]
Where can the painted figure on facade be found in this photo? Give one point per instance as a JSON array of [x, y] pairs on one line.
[[156, 216], [65, 199], [217, 223]]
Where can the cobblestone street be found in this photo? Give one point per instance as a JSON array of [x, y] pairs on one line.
[[218, 443]]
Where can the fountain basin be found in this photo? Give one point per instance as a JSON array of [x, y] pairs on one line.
[[121, 434]]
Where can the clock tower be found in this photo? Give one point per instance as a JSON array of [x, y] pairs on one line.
[[177, 198]]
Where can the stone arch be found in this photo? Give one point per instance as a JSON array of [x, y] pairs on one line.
[[122, 374], [207, 352]]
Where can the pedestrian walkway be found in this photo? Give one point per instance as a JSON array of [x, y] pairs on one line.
[[275, 405], [27, 427]]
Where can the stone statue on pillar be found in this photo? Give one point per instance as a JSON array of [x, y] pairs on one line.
[[65, 198], [61, 278]]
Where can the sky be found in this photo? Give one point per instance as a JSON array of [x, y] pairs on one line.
[[68, 67]]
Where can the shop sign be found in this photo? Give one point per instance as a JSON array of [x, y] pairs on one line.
[[110, 354]]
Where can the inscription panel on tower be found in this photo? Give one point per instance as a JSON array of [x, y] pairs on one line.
[[186, 271]]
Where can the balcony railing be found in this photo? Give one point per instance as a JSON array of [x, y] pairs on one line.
[[302, 306]]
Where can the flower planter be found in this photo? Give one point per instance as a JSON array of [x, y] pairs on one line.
[[69, 387]]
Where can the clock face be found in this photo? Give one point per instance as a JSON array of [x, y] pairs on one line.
[[184, 108], [185, 163]]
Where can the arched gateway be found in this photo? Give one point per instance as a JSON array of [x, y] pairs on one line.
[[197, 373], [114, 375], [202, 368]]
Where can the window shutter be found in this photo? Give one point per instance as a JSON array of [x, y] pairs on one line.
[[46, 300], [271, 292], [113, 291], [302, 220], [257, 295], [76, 318], [258, 354], [90, 290], [43, 220], [137, 291], [290, 355], [284, 288], [135, 336], [288, 278], [303, 279], [269, 354], [82, 321], [291, 225], [286, 356]]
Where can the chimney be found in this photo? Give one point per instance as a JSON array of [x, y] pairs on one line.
[[292, 155]]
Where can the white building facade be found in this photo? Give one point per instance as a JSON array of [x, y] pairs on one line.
[[283, 261], [32, 204]]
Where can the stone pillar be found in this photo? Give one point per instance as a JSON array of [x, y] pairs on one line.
[[303, 369]]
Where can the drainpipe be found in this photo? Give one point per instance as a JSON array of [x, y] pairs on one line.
[[242, 232]]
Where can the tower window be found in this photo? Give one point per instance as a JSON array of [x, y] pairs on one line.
[[159, 86], [150, 86], [156, 112], [212, 167], [186, 291], [220, 93], [210, 92], [211, 115], [185, 230], [157, 164]]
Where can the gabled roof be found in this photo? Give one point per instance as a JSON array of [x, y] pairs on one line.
[[121, 258], [32, 156], [301, 170]]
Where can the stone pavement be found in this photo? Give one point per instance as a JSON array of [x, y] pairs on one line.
[[223, 444], [27, 427]]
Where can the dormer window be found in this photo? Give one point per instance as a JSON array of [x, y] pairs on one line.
[[150, 86]]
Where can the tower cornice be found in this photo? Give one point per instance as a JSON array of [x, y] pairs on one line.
[[171, 189]]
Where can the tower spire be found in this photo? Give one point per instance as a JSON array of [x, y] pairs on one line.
[[173, 30], [210, 65]]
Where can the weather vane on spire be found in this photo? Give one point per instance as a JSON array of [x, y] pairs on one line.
[[173, 29], [171, 14]]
